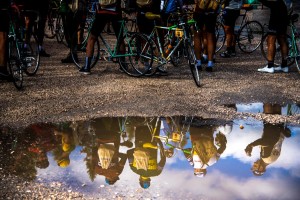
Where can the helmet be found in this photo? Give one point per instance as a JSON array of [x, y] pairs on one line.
[[111, 181], [145, 182], [65, 162], [259, 167]]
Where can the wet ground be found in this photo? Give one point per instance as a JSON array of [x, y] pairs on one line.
[[98, 159]]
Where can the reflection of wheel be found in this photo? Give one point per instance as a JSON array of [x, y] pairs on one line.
[[31, 56], [78, 48], [220, 36], [278, 58], [15, 65], [250, 36], [140, 56]]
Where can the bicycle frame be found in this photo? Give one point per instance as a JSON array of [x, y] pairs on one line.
[[113, 52]]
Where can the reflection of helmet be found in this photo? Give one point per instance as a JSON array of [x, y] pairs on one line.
[[111, 181], [169, 152], [200, 173], [145, 182], [65, 162], [258, 168]]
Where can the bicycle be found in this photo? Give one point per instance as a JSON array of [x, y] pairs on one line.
[[293, 42], [248, 33], [14, 45], [131, 62], [184, 46]]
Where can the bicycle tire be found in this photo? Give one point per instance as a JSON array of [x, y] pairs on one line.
[[220, 36], [156, 57], [59, 29], [140, 56], [78, 51], [15, 64], [31, 56], [250, 36], [189, 48], [277, 58], [50, 28]]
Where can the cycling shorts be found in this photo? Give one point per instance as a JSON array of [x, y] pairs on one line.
[[230, 16], [206, 19]]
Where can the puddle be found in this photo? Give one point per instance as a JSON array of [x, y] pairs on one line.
[[79, 155], [286, 110]]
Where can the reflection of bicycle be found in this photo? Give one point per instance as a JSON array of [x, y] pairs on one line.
[[293, 42], [248, 33], [129, 61], [175, 136]]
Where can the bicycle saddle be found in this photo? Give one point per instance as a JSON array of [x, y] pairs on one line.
[[152, 16]]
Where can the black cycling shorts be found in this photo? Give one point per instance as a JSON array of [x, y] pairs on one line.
[[206, 19], [230, 16]]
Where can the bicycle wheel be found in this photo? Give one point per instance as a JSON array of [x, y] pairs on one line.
[[277, 58], [140, 56], [50, 28], [220, 36], [297, 52], [250, 36], [31, 57], [15, 64], [59, 29], [78, 48], [189, 48]]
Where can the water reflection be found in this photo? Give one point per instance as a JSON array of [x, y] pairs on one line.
[[159, 157]]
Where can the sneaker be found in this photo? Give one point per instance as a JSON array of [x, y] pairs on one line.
[[283, 69], [43, 53], [4, 75], [227, 54], [199, 67], [266, 69], [209, 69], [204, 60], [67, 59], [85, 70]]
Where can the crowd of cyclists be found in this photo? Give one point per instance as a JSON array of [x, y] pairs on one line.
[[205, 14]]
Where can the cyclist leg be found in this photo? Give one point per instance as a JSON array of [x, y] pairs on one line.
[[230, 16], [97, 27]]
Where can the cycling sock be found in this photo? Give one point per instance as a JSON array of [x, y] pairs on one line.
[[270, 64], [283, 63], [210, 63], [87, 62], [198, 62]]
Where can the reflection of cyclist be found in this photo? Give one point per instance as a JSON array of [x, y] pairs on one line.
[[143, 159], [277, 31], [42, 140], [205, 153], [270, 142], [61, 154], [4, 4], [109, 161]]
